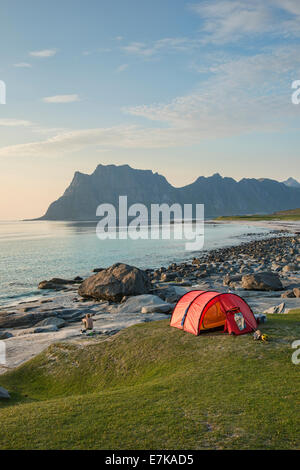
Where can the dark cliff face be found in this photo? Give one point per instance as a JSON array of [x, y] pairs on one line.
[[221, 196]]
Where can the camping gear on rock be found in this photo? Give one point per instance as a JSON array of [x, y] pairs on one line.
[[197, 311]]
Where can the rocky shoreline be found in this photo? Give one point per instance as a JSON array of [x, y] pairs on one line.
[[265, 272]]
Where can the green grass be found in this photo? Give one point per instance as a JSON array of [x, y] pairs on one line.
[[156, 387], [295, 310], [293, 214]]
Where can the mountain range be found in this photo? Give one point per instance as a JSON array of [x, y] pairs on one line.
[[221, 195]]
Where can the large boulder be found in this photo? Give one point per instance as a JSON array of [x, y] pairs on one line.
[[264, 281], [115, 282]]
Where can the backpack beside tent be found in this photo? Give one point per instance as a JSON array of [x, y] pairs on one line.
[[205, 310]]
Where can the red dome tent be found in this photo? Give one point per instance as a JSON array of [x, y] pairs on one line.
[[203, 310]]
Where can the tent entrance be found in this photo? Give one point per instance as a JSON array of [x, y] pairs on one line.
[[214, 317]]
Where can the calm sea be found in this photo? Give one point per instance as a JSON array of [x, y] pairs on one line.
[[34, 251]]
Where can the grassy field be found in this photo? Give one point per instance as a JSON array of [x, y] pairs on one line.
[[282, 215], [156, 387]]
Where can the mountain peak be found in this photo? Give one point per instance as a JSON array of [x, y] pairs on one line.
[[292, 183]]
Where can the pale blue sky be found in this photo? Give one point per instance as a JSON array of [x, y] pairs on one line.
[[183, 88]]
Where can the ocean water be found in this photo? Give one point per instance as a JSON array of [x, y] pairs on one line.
[[33, 251]]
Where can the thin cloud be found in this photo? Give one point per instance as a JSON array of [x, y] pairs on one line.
[[23, 65], [43, 53], [61, 99], [15, 123], [229, 20], [160, 46], [122, 68]]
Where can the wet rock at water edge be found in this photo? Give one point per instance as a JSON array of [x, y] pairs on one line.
[[57, 283]]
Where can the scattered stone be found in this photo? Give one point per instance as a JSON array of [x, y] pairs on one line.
[[5, 335], [276, 309], [296, 291], [166, 277], [228, 279], [289, 294], [290, 268]]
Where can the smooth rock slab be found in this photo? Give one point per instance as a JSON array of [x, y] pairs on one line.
[[162, 308], [137, 303], [31, 331], [21, 320], [51, 321]]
